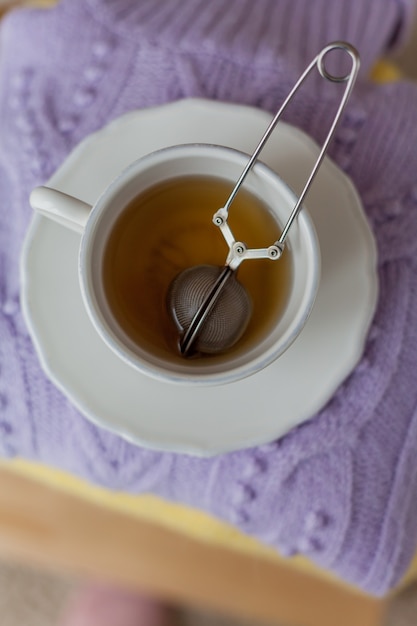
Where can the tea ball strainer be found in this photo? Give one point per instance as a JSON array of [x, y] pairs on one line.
[[210, 307]]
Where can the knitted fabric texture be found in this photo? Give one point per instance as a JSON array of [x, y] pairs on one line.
[[342, 487]]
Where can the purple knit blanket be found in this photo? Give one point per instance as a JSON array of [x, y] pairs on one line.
[[342, 488]]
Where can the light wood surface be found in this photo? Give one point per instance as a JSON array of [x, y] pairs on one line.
[[43, 526]]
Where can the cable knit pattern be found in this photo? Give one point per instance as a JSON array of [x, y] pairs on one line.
[[341, 488]]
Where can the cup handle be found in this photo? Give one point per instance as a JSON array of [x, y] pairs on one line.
[[60, 207]]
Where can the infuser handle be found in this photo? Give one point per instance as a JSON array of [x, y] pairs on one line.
[[348, 78], [221, 216]]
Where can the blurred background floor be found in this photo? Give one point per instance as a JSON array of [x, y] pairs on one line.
[[29, 597]]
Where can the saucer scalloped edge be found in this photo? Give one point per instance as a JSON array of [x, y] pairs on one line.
[[197, 420]]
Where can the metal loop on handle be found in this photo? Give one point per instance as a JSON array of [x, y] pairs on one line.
[[349, 78], [321, 66]]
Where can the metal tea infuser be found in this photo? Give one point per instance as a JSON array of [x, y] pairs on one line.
[[210, 307]]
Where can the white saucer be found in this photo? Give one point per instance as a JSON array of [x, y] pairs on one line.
[[202, 421]]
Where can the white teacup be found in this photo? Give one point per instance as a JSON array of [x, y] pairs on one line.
[[96, 224]]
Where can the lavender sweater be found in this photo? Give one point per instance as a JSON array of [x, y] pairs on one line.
[[341, 488]]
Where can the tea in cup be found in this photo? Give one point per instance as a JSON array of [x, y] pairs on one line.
[[154, 221]]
